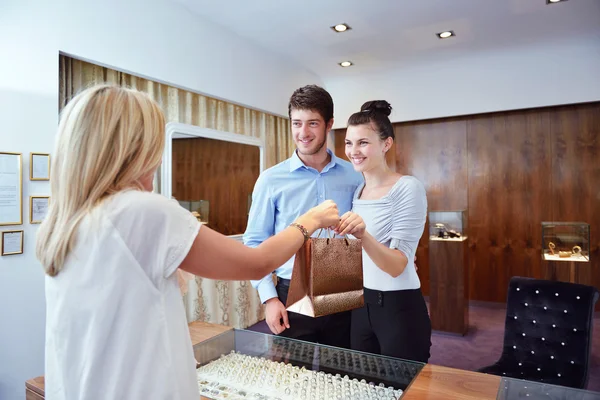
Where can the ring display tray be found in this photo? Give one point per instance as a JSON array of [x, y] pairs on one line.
[[241, 364]]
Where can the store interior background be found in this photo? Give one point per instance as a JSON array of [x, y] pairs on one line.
[[503, 119]]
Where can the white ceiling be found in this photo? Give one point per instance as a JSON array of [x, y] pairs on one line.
[[387, 34]]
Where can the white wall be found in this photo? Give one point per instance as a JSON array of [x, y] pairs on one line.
[[563, 72], [153, 38]]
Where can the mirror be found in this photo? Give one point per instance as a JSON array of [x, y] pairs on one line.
[[212, 174]]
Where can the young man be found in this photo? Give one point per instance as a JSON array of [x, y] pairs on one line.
[[287, 190]]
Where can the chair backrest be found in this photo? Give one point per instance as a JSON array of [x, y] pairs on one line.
[[548, 330]]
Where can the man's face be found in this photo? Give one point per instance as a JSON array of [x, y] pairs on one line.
[[309, 131]]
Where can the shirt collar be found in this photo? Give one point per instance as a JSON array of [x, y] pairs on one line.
[[296, 162]]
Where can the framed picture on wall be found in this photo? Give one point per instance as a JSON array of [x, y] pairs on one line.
[[11, 187], [38, 208], [12, 242], [39, 167]]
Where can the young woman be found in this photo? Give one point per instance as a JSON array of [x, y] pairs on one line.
[[115, 322], [388, 214]]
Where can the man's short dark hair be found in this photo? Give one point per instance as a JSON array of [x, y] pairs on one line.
[[313, 98]]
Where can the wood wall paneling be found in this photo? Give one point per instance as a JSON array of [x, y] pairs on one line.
[[509, 188], [511, 171], [224, 173], [340, 148], [435, 153], [575, 194]]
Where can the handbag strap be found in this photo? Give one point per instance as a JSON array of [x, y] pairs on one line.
[[328, 236]]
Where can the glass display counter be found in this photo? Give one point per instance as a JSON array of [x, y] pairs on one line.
[[199, 208], [566, 241], [241, 364], [513, 389], [448, 225]]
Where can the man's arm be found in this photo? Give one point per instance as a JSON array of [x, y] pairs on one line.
[[261, 226]]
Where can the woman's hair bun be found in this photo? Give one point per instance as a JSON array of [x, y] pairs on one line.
[[379, 106]]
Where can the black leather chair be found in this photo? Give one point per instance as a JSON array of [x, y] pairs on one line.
[[547, 333]]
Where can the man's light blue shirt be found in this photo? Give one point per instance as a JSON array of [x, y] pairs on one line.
[[286, 191]]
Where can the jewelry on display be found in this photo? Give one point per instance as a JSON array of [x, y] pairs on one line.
[[551, 246], [576, 250], [564, 254], [238, 376], [302, 229], [443, 232], [197, 215], [441, 229]]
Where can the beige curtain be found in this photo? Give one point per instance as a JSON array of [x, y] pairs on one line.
[[229, 303]]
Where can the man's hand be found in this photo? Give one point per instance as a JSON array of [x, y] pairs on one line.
[[276, 316]]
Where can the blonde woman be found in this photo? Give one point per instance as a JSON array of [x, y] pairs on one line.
[[115, 322]]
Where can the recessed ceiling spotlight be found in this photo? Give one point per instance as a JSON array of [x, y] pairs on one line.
[[346, 63], [554, 1], [339, 28], [445, 34]]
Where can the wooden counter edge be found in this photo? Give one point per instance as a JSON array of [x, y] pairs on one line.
[[437, 382], [199, 332]]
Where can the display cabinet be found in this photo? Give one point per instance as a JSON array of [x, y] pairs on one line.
[[449, 271], [566, 241], [514, 389], [199, 208], [241, 364], [448, 225]]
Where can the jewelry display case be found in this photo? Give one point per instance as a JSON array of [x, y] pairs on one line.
[[566, 241], [448, 225], [241, 364], [513, 389], [199, 208], [449, 272]]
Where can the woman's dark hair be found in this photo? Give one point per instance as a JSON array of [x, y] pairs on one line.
[[376, 113]]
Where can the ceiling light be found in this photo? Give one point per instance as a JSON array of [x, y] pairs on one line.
[[445, 34], [554, 1], [346, 63], [341, 28]]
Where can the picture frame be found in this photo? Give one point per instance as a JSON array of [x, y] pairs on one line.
[[12, 243], [11, 186], [39, 166], [38, 208]]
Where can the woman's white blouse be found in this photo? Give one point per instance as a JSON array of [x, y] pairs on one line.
[[397, 220]]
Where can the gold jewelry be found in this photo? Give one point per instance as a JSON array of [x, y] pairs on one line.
[[197, 215], [302, 229], [564, 254], [576, 250], [551, 246]]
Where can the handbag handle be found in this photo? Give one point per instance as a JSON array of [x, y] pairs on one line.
[[328, 236]]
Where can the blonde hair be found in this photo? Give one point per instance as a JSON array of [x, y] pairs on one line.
[[109, 138]]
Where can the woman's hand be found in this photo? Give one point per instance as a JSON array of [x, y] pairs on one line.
[[351, 223], [324, 215]]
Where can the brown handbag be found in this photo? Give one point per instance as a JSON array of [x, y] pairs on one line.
[[327, 277]]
